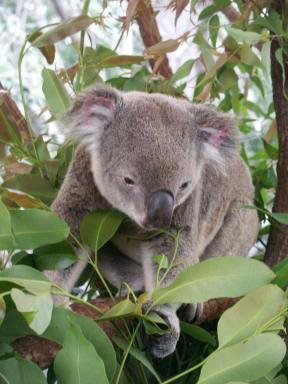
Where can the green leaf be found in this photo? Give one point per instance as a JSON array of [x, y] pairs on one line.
[[65, 29], [228, 276], [250, 315], [281, 217], [6, 237], [244, 361], [271, 151], [54, 256], [138, 355], [198, 333], [20, 371], [98, 227], [281, 271], [34, 227], [207, 11], [183, 71], [247, 56], [30, 279], [121, 60], [61, 320], [214, 25], [33, 185], [123, 309], [265, 58], [78, 362], [243, 36], [55, 93], [37, 309], [161, 261], [14, 326]]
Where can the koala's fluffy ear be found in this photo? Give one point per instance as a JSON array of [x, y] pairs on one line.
[[93, 110], [216, 132]]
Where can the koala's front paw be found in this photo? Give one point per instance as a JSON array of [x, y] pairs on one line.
[[164, 345]]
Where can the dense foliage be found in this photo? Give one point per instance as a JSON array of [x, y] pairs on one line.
[[233, 72]]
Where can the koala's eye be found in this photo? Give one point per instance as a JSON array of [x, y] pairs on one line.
[[184, 185], [128, 181]]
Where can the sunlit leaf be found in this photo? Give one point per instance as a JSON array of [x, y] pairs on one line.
[[37, 309], [241, 36], [218, 277], [123, 309], [244, 361], [251, 314], [30, 279]]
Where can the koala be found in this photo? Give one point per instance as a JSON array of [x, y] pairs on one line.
[[166, 164]]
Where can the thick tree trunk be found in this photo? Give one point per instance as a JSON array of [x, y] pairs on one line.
[[277, 248]]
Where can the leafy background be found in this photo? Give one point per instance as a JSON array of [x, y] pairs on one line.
[[219, 52]]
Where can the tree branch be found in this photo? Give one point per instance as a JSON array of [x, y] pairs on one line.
[[150, 34], [42, 351], [277, 247]]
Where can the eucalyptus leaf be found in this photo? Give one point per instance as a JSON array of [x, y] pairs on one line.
[[30, 279], [37, 309], [183, 71], [198, 333], [281, 271], [250, 315], [122, 309], [246, 361], [138, 355], [241, 36], [63, 30], [98, 227], [6, 236], [20, 371], [78, 362], [34, 227], [33, 185], [55, 256], [228, 276], [61, 320], [55, 93]]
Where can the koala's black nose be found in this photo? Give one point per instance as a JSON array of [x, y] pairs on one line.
[[160, 209]]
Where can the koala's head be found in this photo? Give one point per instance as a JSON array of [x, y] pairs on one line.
[[148, 150]]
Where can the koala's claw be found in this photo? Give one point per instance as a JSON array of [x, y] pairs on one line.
[[164, 345], [191, 312]]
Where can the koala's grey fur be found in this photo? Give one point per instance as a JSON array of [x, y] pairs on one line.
[[160, 142]]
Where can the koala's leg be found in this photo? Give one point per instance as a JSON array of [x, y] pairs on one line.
[[118, 268], [162, 346]]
